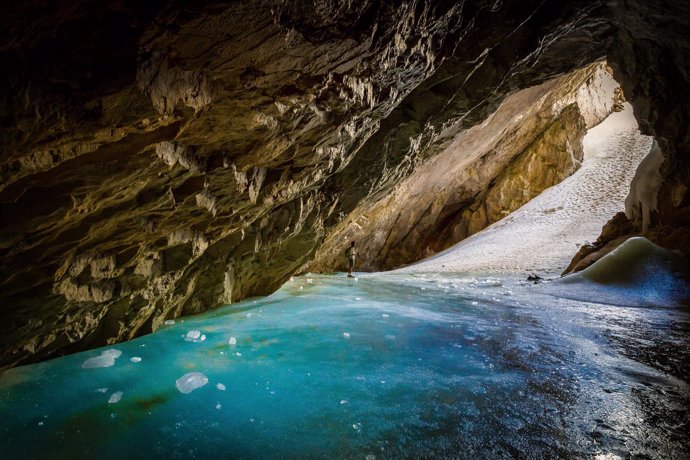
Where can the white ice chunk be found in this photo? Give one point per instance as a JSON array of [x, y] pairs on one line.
[[135, 359], [190, 382], [169, 322], [489, 282], [232, 341], [105, 359], [112, 352], [343, 401], [101, 390], [346, 335], [192, 336], [203, 337], [220, 386], [115, 397], [218, 406], [98, 361]]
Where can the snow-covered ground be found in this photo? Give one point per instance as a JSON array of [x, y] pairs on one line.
[[544, 234]]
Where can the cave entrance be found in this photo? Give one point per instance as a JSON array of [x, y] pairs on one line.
[[525, 190]]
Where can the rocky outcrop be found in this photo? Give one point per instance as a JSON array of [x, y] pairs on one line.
[[161, 158], [531, 142]]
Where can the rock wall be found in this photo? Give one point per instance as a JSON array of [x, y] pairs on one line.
[[161, 158], [531, 142]]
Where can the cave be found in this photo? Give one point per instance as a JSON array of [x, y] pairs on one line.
[[182, 183]]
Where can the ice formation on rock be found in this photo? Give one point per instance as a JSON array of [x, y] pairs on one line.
[[636, 273]]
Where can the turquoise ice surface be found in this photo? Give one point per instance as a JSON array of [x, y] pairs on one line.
[[377, 367]]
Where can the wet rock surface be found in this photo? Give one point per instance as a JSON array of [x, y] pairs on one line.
[[162, 158]]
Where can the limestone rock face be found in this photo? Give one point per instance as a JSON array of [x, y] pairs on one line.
[[531, 142], [161, 158]]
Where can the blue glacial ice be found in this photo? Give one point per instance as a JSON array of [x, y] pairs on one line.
[[434, 366]]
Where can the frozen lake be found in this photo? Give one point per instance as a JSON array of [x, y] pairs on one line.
[[379, 367]]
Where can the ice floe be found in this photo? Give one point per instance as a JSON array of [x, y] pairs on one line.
[[195, 336], [190, 382], [105, 359], [115, 397]]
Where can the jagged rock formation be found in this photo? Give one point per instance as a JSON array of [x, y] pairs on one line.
[[160, 158], [531, 142]]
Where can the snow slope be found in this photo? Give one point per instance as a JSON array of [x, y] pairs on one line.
[[544, 234]]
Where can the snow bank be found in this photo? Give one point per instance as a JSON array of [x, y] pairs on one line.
[[637, 273], [544, 234], [190, 382]]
